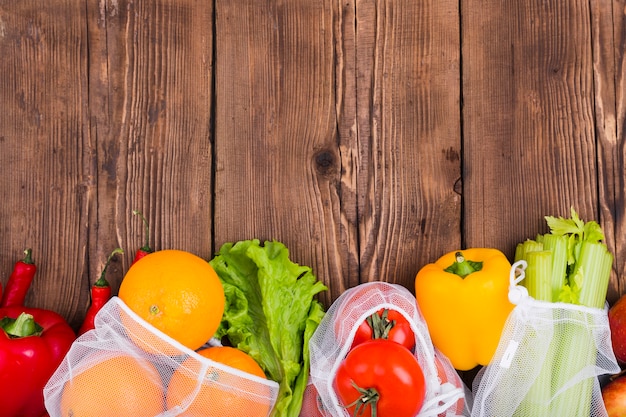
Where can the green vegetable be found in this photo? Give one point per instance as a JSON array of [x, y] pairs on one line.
[[571, 265], [578, 262], [270, 313]]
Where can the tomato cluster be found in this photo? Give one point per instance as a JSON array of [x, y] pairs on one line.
[[380, 376]]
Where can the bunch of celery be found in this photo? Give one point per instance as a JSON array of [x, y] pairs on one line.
[[570, 264]]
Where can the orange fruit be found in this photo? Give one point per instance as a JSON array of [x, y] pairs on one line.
[[176, 292], [121, 386], [233, 357], [223, 393]]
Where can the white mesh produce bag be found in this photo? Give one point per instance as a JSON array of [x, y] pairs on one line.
[[333, 338], [548, 360], [148, 366], [312, 403]]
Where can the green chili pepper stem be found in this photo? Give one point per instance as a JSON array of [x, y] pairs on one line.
[[28, 257], [146, 247], [23, 326], [102, 282], [463, 267]]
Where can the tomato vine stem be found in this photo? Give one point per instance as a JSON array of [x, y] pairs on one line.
[[368, 396]]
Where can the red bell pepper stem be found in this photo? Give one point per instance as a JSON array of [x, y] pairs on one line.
[[100, 294], [145, 249], [19, 281], [22, 326], [33, 343]]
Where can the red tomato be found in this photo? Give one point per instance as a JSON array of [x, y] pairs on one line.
[[455, 380], [380, 378], [389, 324], [311, 403]]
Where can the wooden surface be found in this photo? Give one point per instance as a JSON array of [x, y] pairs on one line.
[[369, 136]]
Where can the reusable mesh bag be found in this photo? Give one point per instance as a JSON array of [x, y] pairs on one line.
[[312, 403], [124, 350], [548, 360], [446, 395]]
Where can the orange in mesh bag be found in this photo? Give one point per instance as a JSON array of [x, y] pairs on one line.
[[134, 383], [185, 384], [227, 393], [445, 394]]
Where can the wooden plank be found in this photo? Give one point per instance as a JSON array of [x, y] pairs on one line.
[[408, 90], [150, 87], [280, 172], [45, 176], [345, 81], [337, 130], [609, 51], [529, 141]]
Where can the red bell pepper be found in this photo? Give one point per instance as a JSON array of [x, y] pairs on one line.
[[33, 343]]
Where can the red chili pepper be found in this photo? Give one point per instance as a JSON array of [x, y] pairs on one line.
[[19, 282], [100, 294], [33, 343], [145, 249]]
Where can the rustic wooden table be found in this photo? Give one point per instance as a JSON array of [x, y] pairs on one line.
[[368, 136]]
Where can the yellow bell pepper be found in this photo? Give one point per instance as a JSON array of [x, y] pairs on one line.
[[463, 297]]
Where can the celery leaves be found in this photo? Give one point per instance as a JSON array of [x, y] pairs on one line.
[[587, 259]]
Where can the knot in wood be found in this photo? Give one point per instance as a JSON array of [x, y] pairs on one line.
[[325, 162]]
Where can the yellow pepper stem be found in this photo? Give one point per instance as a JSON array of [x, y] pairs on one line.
[[463, 267]]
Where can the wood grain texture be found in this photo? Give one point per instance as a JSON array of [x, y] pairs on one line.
[[609, 41], [408, 104], [278, 155], [44, 175], [368, 136], [529, 141], [151, 89]]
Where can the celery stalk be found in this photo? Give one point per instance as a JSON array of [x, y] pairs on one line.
[[538, 273], [538, 282], [579, 274], [594, 265], [539, 395], [525, 247], [590, 280], [576, 351], [558, 246]]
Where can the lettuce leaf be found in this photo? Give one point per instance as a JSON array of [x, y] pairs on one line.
[[270, 313]]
